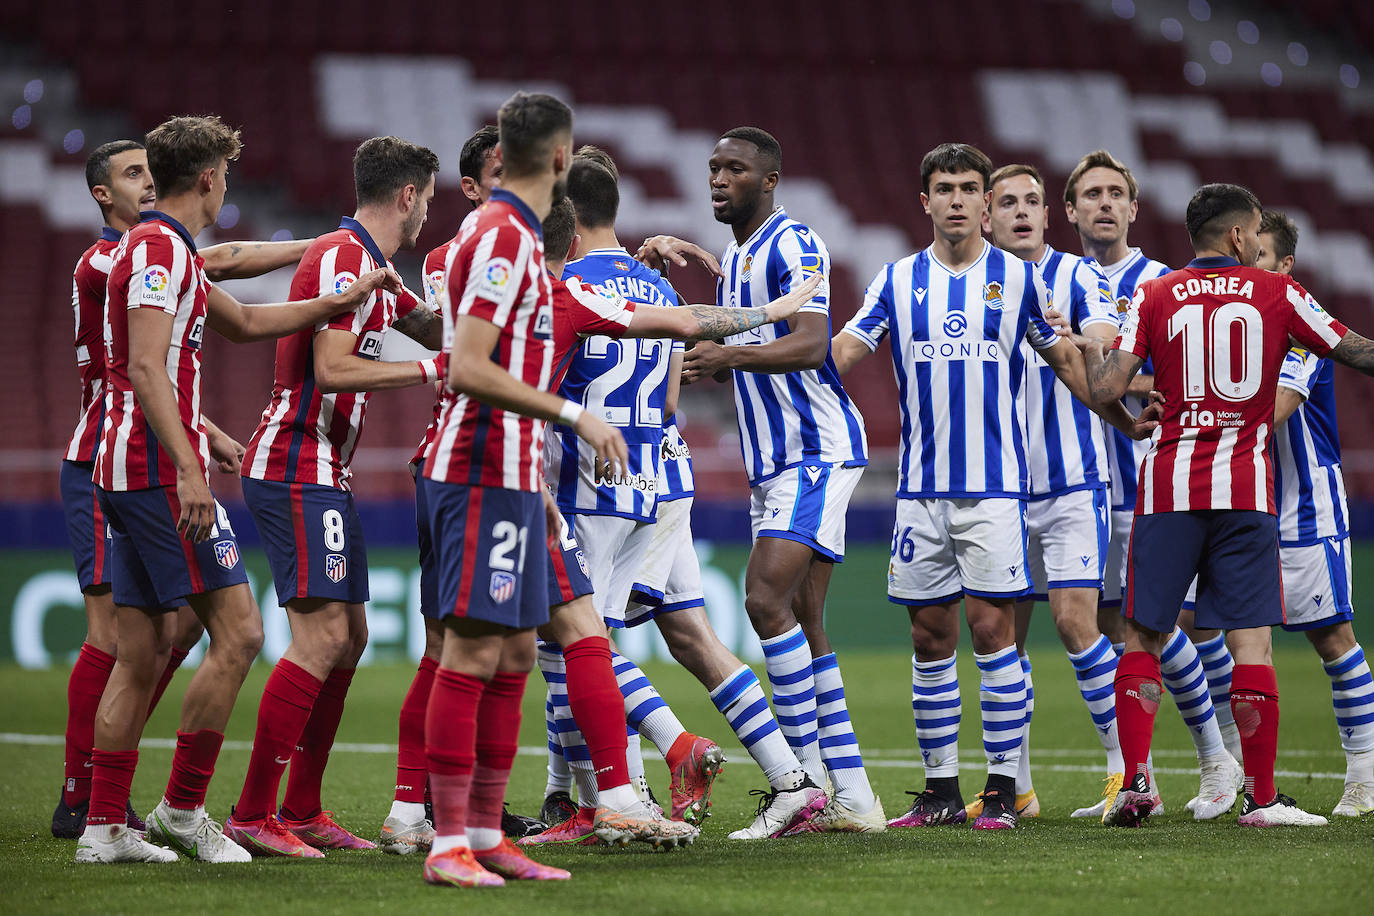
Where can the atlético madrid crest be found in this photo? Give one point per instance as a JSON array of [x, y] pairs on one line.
[[335, 566], [502, 587], [227, 554]]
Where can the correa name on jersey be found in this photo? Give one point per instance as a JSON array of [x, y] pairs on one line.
[[1308, 482], [496, 273], [624, 383], [956, 350], [1070, 451], [307, 435], [1218, 333], [1125, 453], [155, 265], [89, 282], [792, 418]]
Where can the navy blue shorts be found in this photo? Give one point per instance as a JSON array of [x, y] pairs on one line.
[[429, 574], [568, 577], [1233, 553], [490, 551], [151, 565], [313, 539], [86, 529]]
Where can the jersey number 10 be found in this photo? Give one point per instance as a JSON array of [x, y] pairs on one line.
[[1210, 358]]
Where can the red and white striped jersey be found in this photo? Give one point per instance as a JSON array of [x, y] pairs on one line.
[[496, 273], [434, 282], [307, 435], [154, 266], [1218, 333], [89, 280], [579, 312]]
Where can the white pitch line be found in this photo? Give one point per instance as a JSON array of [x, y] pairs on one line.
[[875, 758]]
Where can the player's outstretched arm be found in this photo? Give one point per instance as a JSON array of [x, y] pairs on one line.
[[150, 337], [422, 325], [712, 322], [1074, 371], [661, 250], [806, 347], [472, 372], [237, 260], [241, 323], [1356, 352], [847, 351], [338, 368]]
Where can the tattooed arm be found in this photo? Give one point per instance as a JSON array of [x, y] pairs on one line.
[[236, 260], [423, 326], [1356, 352], [710, 322], [1109, 372]]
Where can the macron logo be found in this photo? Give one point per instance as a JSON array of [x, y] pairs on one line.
[[814, 474]]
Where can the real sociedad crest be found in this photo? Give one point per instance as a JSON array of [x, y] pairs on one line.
[[227, 554], [992, 295], [502, 587], [335, 567]]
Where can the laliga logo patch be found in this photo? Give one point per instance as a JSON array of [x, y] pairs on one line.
[[992, 295], [502, 587], [343, 281], [498, 272], [335, 567], [955, 324], [227, 554], [155, 280], [436, 283]]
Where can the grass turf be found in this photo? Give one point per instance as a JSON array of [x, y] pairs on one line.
[[1052, 864]]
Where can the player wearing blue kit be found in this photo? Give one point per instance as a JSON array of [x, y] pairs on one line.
[[804, 450], [956, 314], [1314, 537], [1101, 201]]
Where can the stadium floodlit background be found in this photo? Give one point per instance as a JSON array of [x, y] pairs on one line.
[[1274, 95]]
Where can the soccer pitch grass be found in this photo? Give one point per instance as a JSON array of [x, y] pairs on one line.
[[1052, 864]]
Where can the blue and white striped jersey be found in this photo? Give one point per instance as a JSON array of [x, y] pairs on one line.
[[625, 383], [1307, 475], [789, 418], [956, 351], [1069, 450], [675, 480], [1124, 452]]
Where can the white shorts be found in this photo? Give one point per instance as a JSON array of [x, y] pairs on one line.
[[1316, 584], [945, 548], [807, 503], [614, 548], [1114, 575], [1068, 540], [670, 577]]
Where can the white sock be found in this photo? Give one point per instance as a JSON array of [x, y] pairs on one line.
[[484, 837], [645, 710], [445, 843], [838, 744], [621, 798], [740, 699], [1023, 772], [787, 659], [634, 754], [410, 812]]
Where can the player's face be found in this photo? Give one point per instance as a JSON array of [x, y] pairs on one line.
[[1268, 259], [129, 188], [738, 181], [1103, 210], [219, 186], [479, 191], [956, 203], [562, 160], [1245, 238], [1017, 218], [415, 219]]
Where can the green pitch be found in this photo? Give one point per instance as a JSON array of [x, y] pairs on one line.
[[1052, 865]]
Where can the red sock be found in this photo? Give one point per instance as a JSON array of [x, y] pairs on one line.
[[451, 746], [286, 703], [112, 775], [303, 784], [173, 663], [411, 771], [84, 687], [192, 766], [1255, 705], [598, 708], [498, 738], [1137, 700]]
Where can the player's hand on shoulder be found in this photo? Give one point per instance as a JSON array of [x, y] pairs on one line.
[[1055, 319], [660, 251], [359, 291], [612, 455], [787, 306], [197, 504], [227, 452]]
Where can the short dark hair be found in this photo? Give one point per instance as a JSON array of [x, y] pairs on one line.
[[1285, 232], [1214, 206], [559, 228], [475, 150], [769, 147], [1098, 159], [98, 163], [180, 148], [594, 194], [600, 157], [528, 122], [384, 165], [955, 158], [1011, 171]]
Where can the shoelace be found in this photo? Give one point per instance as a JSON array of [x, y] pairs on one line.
[[765, 800]]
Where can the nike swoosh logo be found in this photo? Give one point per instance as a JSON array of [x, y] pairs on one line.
[[282, 760], [87, 764]]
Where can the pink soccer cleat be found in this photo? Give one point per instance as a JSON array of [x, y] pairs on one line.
[[268, 837], [323, 832], [508, 861], [459, 868], [575, 831], [693, 775]]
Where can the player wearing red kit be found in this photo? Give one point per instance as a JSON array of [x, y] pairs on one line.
[[1217, 333]]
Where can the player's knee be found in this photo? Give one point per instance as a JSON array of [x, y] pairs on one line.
[[767, 612]]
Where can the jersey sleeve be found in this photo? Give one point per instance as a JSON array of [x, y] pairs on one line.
[[1036, 300], [407, 302], [1299, 371], [872, 322], [495, 275], [1134, 336], [797, 255], [1096, 305], [339, 269], [1308, 323], [88, 299], [160, 282], [596, 312]]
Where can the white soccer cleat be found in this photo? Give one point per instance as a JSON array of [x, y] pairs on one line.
[[194, 834], [1222, 779], [642, 823], [401, 838], [784, 811], [108, 845], [836, 818], [1357, 799], [1281, 812]]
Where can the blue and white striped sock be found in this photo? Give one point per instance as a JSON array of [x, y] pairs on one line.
[[557, 715], [935, 707], [1352, 696], [645, 710], [1002, 695], [1183, 675], [787, 658], [741, 701], [839, 746], [1217, 664], [1095, 669], [1023, 773]]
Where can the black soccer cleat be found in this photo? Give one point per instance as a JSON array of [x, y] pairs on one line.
[[557, 808]]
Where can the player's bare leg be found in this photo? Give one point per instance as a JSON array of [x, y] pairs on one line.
[[1344, 662], [408, 827], [186, 632]]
